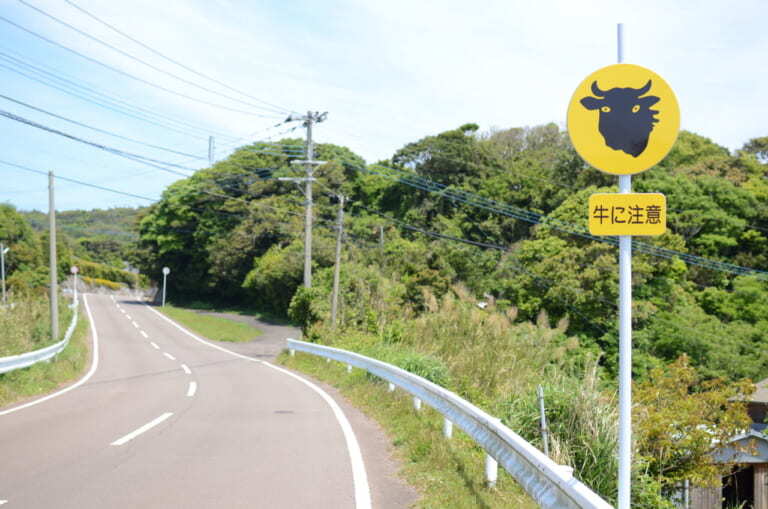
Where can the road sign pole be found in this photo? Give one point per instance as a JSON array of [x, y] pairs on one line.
[[625, 338]]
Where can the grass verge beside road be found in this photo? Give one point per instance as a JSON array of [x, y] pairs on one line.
[[211, 327], [447, 473], [45, 377]]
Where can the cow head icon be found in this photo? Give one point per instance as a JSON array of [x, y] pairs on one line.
[[626, 118]]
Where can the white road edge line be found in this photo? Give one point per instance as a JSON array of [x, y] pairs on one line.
[[169, 356], [143, 334], [94, 366], [192, 389], [154, 345], [186, 369], [359, 476], [148, 426]]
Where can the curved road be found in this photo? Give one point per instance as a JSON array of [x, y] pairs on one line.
[[168, 420]]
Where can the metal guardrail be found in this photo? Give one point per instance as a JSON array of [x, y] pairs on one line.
[[25, 360], [551, 485]]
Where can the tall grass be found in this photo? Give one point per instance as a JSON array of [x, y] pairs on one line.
[[25, 324], [496, 362]]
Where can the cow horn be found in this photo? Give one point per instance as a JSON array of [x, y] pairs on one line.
[[645, 89], [596, 90]]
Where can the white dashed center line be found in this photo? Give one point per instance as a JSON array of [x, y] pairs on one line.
[[169, 356], [186, 369], [148, 426], [143, 334], [154, 345], [135, 324], [122, 310], [192, 389], [128, 317]]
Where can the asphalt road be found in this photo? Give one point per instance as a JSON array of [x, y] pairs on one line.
[[168, 420]]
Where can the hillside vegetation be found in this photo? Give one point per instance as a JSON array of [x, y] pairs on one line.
[[499, 218]]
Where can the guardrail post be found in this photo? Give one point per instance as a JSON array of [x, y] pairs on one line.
[[391, 387], [491, 471], [349, 368], [447, 428], [417, 404], [292, 352]]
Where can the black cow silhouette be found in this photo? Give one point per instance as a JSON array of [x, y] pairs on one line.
[[626, 119]]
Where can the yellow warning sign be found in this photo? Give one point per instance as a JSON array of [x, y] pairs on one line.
[[627, 214], [623, 119]]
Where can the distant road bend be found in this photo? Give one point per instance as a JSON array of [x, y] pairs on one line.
[[165, 419]]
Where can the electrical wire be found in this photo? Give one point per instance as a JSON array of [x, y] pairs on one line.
[[472, 199], [131, 76], [153, 67], [103, 131], [109, 102], [176, 62]]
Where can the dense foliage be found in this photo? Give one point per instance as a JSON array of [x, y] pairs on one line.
[[499, 215], [102, 236]]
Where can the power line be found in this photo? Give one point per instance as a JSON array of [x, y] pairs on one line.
[[155, 68], [93, 96], [103, 131], [80, 182], [126, 74], [122, 153], [535, 218], [169, 59]]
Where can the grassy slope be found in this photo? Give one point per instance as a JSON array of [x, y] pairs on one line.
[[45, 377], [212, 327], [448, 473]]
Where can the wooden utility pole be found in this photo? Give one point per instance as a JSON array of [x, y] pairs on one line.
[[337, 266]]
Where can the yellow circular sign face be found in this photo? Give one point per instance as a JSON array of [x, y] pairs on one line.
[[623, 119]]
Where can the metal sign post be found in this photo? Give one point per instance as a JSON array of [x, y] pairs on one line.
[[625, 337], [624, 119]]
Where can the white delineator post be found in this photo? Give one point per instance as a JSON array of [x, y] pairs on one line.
[[625, 340]]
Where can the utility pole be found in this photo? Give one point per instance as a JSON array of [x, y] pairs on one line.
[[381, 239], [211, 149], [337, 266], [308, 120], [52, 260]]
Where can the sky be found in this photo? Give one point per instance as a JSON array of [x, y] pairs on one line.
[[387, 72]]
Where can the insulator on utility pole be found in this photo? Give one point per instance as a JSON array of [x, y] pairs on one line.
[[54, 295], [337, 266]]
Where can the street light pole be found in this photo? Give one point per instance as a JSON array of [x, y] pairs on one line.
[[3, 250], [74, 270], [166, 271]]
